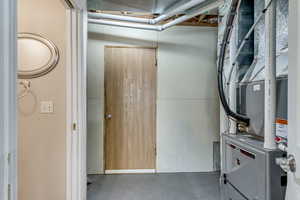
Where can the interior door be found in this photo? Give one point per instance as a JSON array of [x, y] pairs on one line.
[[130, 108], [293, 189]]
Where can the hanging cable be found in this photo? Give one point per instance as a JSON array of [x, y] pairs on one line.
[[229, 24]]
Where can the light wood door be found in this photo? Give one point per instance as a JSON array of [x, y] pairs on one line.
[[130, 108]]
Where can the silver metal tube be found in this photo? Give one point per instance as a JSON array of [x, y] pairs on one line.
[[270, 76], [93, 15], [126, 24], [189, 15], [195, 12], [169, 13], [173, 11]]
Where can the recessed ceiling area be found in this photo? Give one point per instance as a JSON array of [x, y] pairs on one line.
[[149, 6]]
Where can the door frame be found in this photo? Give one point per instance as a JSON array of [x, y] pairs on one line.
[[77, 22], [129, 171], [76, 89], [8, 101]]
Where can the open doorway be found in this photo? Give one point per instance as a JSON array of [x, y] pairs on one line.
[[179, 97]]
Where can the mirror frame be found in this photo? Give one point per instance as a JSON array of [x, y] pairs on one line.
[[49, 66]]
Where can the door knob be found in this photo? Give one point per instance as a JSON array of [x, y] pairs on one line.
[[108, 116]]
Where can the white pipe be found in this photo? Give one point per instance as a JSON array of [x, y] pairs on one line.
[[126, 24], [270, 76], [197, 11], [191, 14], [93, 15], [170, 13], [173, 11]]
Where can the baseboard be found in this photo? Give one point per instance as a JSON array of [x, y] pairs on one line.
[[131, 171]]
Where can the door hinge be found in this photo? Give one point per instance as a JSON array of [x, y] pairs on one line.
[[9, 192], [74, 126], [156, 62]]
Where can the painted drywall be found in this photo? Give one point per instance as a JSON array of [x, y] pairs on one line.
[[42, 137], [187, 99]]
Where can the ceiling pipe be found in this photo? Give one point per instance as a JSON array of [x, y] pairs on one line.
[[95, 15], [126, 24], [174, 10], [201, 9]]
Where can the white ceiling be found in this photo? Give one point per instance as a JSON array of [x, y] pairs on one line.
[[151, 6]]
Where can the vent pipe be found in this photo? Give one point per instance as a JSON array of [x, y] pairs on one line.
[[169, 13], [201, 9], [270, 76]]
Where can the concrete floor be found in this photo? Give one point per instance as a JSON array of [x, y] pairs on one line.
[[179, 186]]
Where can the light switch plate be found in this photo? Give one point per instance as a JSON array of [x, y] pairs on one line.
[[47, 107]]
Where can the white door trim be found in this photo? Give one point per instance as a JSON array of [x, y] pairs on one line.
[[8, 100], [76, 104]]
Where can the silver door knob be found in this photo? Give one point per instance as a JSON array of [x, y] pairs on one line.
[[108, 116]]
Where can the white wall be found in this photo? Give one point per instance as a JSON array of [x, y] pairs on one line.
[[42, 137], [187, 104]]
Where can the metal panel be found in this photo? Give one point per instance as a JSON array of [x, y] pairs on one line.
[[251, 171], [251, 103]]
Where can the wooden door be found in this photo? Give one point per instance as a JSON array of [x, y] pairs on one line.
[[130, 108]]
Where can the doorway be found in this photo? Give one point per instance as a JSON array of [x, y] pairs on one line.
[[130, 109]]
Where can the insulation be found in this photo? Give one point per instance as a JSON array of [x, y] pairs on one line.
[[256, 70]]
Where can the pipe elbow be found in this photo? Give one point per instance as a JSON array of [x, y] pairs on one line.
[[152, 21], [160, 28]]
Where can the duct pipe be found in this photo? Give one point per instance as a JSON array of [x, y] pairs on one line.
[[93, 15], [126, 24], [270, 76], [246, 38], [173, 11], [197, 11], [193, 13], [169, 13]]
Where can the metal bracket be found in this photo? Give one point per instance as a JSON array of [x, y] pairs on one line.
[[287, 164]]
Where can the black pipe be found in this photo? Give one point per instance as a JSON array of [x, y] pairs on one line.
[[227, 33]]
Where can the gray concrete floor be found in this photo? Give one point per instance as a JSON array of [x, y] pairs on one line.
[[178, 186]]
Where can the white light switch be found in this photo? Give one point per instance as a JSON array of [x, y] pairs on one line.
[[47, 107]]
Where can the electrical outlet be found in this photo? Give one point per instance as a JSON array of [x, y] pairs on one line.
[[47, 107]]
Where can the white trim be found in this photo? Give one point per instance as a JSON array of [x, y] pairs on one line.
[[68, 109], [8, 104], [82, 98], [76, 104], [131, 171]]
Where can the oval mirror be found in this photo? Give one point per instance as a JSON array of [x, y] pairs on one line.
[[37, 55]]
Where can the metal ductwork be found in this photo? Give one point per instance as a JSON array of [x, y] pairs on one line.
[[200, 9], [169, 13]]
